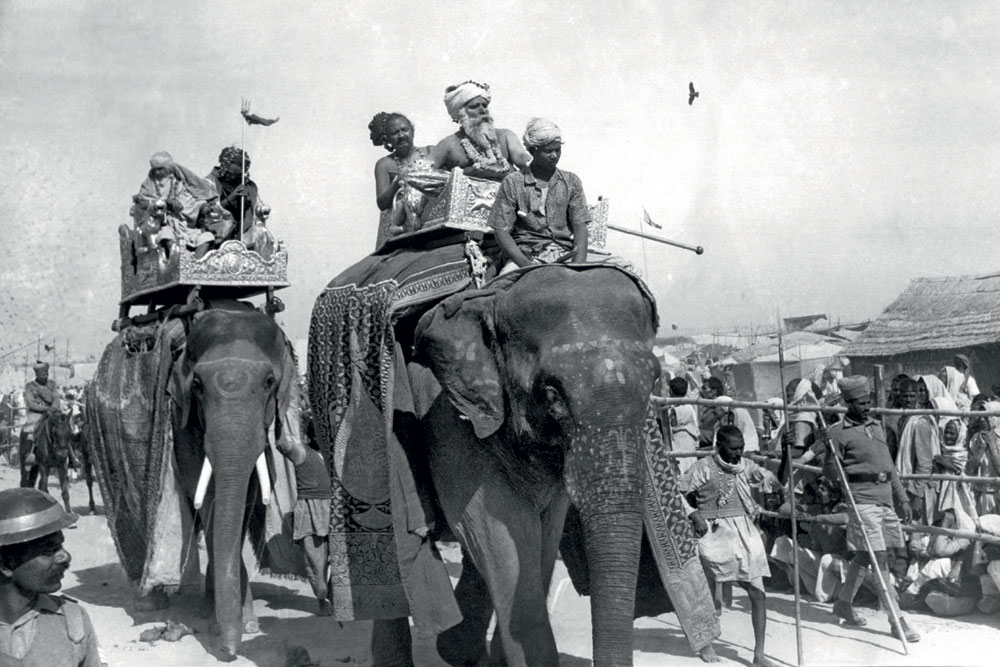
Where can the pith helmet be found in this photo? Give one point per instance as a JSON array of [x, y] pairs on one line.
[[27, 514]]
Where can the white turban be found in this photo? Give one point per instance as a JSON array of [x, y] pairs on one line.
[[539, 132], [456, 97], [161, 159]]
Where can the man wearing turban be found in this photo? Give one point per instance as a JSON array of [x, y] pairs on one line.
[[179, 194], [40, 396], [541, 215], [479, 148]]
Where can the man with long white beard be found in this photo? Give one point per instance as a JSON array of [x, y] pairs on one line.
[[479, 148]]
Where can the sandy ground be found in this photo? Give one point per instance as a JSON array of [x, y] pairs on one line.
[[285, 611]]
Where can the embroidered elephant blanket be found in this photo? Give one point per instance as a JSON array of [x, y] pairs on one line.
[[380, 568]]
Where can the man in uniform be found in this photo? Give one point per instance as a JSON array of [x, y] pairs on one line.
[[479, 148], [40, 396], [860, 442], [37, 628]]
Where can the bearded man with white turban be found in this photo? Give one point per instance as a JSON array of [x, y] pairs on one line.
[[479, 148]]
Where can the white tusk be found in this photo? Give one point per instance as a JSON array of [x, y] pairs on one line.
[[199, 492], [265, 479]]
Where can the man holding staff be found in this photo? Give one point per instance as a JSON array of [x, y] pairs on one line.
[[875, 484]]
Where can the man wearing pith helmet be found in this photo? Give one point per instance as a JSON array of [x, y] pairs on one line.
[[38, 628]]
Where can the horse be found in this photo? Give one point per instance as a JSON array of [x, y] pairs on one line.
[[53, 436]]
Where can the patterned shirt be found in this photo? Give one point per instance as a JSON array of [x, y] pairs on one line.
[[54, 632], [535, 218]]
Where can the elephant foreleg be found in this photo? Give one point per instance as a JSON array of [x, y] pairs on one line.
[[502, 531], [391, 643], [465, 643]]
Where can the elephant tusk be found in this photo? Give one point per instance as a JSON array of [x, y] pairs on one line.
[[265, 479], [199, 491]]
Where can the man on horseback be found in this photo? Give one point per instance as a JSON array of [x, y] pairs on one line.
[[40, 396]]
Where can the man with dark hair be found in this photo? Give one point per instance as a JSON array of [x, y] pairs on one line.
[[874, 482], [683, 421], [37, 628], [239, 197], [719, 488]]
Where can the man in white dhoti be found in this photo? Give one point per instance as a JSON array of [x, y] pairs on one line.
[[730, 546]]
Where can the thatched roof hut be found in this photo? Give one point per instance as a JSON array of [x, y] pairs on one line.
[[929, 323]]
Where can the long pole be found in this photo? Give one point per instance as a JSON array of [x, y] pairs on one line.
[[243, 168], [883, 590], [625, 230], [791, 503]]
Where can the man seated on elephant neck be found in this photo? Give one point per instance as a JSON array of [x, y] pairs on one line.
[[541, 216]]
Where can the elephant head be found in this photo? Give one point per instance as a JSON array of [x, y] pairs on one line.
[[232, 383], [559, 366]]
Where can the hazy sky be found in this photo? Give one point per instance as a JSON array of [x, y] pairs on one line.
[[837, 149]]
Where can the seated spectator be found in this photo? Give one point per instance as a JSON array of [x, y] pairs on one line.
[[940, 566], [989, 579], [822, 543]]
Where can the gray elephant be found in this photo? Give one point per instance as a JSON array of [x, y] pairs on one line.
[[233, 381], [522, 398]]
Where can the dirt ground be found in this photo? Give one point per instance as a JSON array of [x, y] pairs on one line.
[[285, 611]]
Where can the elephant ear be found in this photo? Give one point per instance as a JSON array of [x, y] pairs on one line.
[[287, 411], [455, 340], [179, 386]]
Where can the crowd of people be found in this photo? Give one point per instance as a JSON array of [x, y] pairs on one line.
[[887, 461]]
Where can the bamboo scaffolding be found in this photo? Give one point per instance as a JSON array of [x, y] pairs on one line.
[[665, 402], [985, 538], [925, 477], [791, 494]]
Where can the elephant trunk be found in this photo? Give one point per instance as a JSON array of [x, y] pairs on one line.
[[232, 468], [605, 483]]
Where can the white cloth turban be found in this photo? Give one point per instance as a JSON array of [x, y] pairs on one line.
[[456, 97], [539, 132], [161, 159]]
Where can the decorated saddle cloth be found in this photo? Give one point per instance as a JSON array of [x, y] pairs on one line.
[[130, 433], [380, 568]]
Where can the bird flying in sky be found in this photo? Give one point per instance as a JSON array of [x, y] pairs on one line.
[[692, 93]]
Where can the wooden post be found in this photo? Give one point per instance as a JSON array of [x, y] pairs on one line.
[[879, 385]]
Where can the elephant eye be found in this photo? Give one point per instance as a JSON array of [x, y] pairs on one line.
[[270, 382]]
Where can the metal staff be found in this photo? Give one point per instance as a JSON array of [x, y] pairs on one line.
[[791, 501], [883, 589], [624, 230], [244, 109]]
